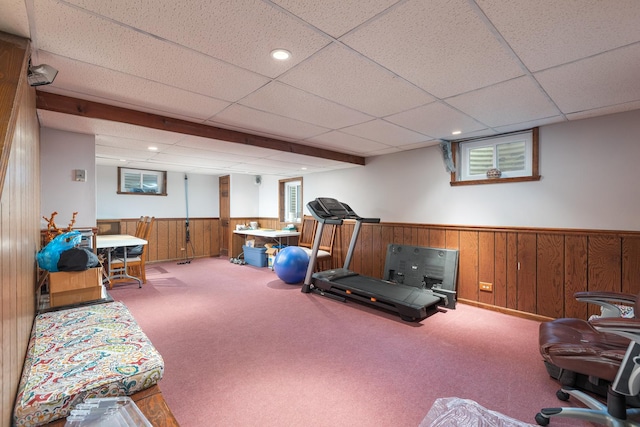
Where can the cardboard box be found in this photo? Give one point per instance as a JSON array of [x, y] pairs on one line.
[[272, 251], [62, 281], [75, 296]]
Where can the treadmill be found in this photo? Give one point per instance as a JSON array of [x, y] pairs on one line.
[[411, 303]]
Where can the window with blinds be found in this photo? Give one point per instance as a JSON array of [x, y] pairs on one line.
[[141, 181], [503, 156], [291, 200]]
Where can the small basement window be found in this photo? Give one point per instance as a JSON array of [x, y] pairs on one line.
[[502, 158], [142, 181], [290, 192]]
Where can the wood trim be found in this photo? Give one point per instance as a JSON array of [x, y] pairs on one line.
[[14, 61], [495, 181], [516, 313], [564, 231], [79, 107], [19, 215]]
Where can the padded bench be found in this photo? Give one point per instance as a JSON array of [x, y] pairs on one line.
[[91, 351]]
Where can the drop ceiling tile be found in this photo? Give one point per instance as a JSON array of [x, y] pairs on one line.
[[530, 124], [269, 163], [514, 101], [130, 144], [385, 132], [114, 152], [442, 46], [98, 127], [130, 91], [70, 32], [599, 81], [107, 161], [335, 17], [207, 171], [296, 104], [192, 161], [303, 160], [347, 78], [240, 32], [140, 107], [534, 29], [224, 146], [176, 150], [437, 120], [256, 121], [618, 108], [339, 141], [13, 19], [160, 166]]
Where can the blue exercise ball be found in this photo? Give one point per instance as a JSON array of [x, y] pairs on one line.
[[291, 264]]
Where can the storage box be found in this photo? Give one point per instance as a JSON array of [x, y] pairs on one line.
[[73, 287], [75, 296], [255, 256], [61, 281]]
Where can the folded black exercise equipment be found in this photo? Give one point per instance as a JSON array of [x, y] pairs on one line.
[[417, 281]]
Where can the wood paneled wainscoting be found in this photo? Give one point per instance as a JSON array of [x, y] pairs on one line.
[[19, 214], [168, 237], [534, 272]]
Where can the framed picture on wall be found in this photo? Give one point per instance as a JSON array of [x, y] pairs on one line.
[[142, 181]]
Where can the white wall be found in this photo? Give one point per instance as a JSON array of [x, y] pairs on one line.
[[200, 190], [245, 196], [60, 153], [590, 173], [268, 196], [589, 180]]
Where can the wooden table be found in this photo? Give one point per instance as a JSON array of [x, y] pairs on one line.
[[151, 404]]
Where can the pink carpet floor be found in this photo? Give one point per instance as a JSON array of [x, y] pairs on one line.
[[242, 348]]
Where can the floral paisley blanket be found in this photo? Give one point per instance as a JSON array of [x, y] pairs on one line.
[[92, 351]]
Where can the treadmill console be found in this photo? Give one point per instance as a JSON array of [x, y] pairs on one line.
[[332, 207]]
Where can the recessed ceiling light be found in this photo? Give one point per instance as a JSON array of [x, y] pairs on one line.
[[280, 54], [152, 148], [456, 132]]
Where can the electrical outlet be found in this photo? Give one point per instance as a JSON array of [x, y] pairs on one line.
[[487, 287]]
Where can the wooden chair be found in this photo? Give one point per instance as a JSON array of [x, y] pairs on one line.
[[325, 250], [307, 232], [136, 265], [140, 226]]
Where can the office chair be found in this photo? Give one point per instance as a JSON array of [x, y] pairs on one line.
[[604, 349]]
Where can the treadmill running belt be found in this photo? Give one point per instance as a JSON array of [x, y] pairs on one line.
[[408, 301]]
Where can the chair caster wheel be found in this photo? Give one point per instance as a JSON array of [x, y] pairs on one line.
[[561, 395], [542, 420]]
